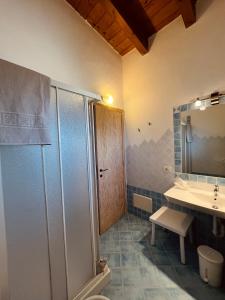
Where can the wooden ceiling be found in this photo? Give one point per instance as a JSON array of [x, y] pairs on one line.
[[128, 24]]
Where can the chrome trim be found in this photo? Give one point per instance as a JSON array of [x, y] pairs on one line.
[[90, 181], [61, 187], [69, 88], [4, 280], [93, 182], [46, 215]]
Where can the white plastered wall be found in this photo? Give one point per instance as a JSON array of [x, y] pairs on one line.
[[50, 37], [181, 65]]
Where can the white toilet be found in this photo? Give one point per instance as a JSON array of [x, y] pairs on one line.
[[97, 297]]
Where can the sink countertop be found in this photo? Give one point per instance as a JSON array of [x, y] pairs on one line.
[[201, 199]]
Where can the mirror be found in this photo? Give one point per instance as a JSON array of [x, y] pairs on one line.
[[200, 140]]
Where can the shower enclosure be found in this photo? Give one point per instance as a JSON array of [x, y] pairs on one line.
[[47, 207]]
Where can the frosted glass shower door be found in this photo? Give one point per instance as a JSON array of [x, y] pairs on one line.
[[76, 200], [26, 223], [47, 217], [33, 218]]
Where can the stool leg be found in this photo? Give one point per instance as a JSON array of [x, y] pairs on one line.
[[190, 233], [182, 250], [153, 235]]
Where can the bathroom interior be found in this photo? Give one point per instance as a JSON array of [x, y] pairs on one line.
[[112, 149]]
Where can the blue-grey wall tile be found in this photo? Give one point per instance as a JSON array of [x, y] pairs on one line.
[[177, 143], [211, 180], [189, 106], [177, 129], [192, 177], [176, 116], [176, 109], [177, 162], [183, 176], [177, 149], [201, 178], [221, 181], [178, 168], [176, 122], [183, 107], [177, 155], [177, 135]]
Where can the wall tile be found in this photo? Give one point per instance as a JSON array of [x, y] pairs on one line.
[[211, 180], [221, 181], [202, 178]]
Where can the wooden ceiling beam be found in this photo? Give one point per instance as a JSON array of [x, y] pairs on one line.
[[84, 7], [126, 24], [188, 12], [133, 20]]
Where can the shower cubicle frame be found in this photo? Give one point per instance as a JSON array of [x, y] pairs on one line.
[[89, 100]]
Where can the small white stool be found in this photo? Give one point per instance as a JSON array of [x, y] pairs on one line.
[[175, 221]]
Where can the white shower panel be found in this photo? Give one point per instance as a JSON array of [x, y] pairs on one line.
[[75, 185], [46, 208]]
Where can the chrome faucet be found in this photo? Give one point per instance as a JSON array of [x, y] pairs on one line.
[[216, 190]]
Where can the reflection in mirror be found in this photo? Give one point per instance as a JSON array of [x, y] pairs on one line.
[[203, 141]]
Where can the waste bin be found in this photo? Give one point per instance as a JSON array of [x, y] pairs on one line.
[[210, 265]]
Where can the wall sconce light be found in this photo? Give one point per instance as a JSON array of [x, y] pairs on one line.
[[198, 103], [108, 100]]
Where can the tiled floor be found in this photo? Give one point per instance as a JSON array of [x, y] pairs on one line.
[[142, 272]]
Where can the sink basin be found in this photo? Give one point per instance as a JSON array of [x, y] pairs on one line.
[[198, 199]]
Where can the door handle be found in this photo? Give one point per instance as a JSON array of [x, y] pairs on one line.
[[103, 170]]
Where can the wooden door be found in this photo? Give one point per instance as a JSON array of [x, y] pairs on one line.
[[109, 128]]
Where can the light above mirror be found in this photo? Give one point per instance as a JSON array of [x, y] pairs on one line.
[[198, 103], [203, 105], [212, 99], [199, 137]]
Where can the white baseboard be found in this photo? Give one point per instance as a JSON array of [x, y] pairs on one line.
[[95, 286]]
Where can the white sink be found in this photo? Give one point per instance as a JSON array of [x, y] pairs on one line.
[[198, 199]]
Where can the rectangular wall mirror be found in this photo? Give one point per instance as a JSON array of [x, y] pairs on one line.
[[199, 138]]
